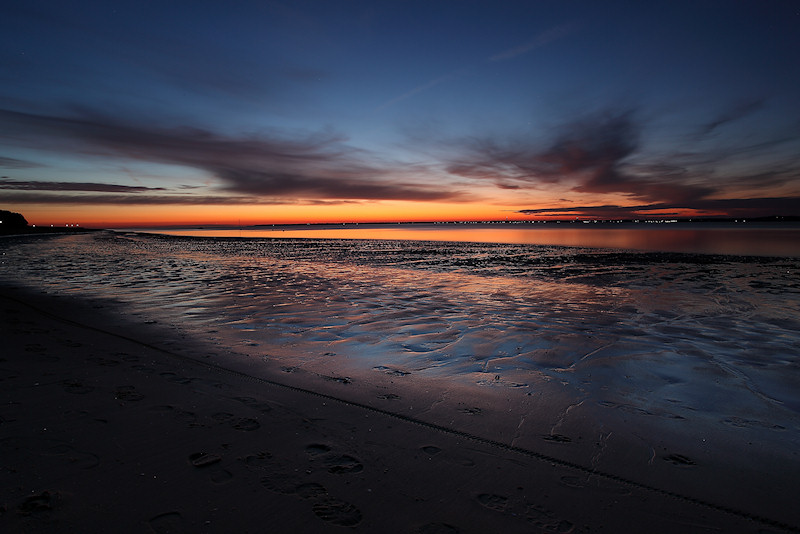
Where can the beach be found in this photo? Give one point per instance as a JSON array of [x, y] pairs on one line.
[[128, 415]]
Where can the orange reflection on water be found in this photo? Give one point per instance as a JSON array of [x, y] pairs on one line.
[[765, 241]]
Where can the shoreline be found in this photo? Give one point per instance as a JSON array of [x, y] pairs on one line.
[[104, 426], [768, 240]]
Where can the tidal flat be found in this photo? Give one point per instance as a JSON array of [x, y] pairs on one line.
[[638, 376]]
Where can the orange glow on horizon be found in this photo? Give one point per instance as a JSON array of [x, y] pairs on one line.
[[249, 215], [153, 216]]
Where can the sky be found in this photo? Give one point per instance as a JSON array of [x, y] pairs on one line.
[[141, 113]]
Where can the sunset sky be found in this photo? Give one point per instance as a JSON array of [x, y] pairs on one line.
[[131, 113]]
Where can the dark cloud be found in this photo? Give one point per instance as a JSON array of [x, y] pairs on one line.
[[148, 199], [608, 211], [595, 148], [6, 183], [602, 153], [590, 155], [13, 163], [319, 165], [336, 185], [739, 207]]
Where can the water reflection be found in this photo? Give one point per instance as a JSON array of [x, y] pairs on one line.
[[753, 240]]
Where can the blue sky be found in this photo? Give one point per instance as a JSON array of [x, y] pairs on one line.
[[309, 110]]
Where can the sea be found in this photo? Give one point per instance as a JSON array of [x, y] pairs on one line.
[[676, 343]]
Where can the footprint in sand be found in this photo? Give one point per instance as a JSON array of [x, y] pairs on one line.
[[494, 502], [311, 491], [245, 424], [543, 518], [342, 464], [259, 460], [280, 478], [317, 449], [37, 504], [168, 523], [438, 528], [393, 371], [334, 462], [276, 477], [204, 459], [220, 475], [547, 521], [280, 481], [339, 379], [337, 512], [285, 483], [209, 463], [127, 393], [222, 417]]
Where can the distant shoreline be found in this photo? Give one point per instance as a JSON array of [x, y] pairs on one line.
[[35, 230], [770, 221], [766, 221]]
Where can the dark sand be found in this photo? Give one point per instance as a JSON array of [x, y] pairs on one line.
[[104, 429]]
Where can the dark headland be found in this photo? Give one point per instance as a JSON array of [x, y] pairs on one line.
[[12, 223]]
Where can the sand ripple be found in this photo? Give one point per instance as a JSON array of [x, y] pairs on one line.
[[664, 333]]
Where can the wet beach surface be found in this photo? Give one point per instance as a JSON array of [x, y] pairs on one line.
[[675, 372]]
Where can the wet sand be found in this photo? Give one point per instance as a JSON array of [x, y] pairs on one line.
[[111, 426]]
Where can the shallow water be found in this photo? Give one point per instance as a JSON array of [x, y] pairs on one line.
[[707, 342], [774, 239]]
